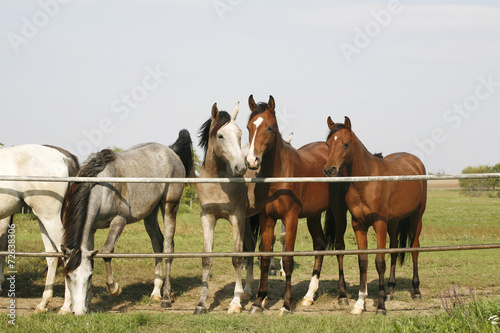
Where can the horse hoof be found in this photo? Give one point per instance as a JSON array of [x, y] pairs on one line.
[[417, 297], [264, 302], [165, 304], [200, 310], [155, 298], [343, 301], [282, 273], [255, 309], [284, 311], [117, 292], [381, 312], [233, 308], [307, 302], [246, 296], [389, 298], [64, 312], [272, 272], [357, 311]]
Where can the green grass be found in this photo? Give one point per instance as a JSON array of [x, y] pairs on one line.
[[450, 219]]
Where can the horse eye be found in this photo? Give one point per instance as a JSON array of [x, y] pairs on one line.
[[220, 136], [270, 128], [346, 145]]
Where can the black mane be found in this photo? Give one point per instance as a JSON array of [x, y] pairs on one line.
[[204, 133], [76, 204]]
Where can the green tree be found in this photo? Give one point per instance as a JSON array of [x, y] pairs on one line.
[[476, 186]]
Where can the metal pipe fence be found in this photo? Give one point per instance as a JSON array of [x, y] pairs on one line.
[[256, 180]]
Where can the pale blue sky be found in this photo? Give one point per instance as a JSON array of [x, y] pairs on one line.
[[415, 76]]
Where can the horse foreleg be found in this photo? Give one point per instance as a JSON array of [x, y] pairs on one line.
[[154, 232], [283, 245], [381, 231], [360, 232], [249, 244], [51, 231], [291, 222], [339, 213], [238, 223], [267, 226], [4, 226], [207, 224], [319, 244], [115, 229], [169, 224]]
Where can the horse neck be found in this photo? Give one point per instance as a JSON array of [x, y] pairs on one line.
[[213, 165], [274, 157], [361, 159]]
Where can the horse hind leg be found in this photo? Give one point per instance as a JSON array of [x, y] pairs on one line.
[[156, 236], [319, 244], [238, 223], [393, 243], [417, 228], [169, 224]]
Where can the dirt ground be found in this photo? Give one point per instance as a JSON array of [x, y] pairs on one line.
[[448, 184]]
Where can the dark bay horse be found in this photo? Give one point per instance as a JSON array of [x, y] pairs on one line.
[[44, 198], [291, 201], [92, 206], [394, 207], [220, 137]]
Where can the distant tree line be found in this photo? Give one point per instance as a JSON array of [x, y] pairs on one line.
[[476, 187]]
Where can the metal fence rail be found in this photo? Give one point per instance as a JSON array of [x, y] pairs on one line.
[[248, 180], [266, 254]]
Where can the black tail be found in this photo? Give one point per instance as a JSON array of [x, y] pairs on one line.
[[76, 205], [329, 229], [406, 236], [183, 147]]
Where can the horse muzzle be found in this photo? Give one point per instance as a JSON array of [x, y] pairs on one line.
[[331, 172]]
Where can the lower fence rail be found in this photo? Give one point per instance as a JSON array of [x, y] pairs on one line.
[[265, 254]]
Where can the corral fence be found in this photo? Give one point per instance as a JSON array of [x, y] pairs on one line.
[[257, 180]]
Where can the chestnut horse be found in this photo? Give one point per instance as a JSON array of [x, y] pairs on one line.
[[394, 207], [291, 201]]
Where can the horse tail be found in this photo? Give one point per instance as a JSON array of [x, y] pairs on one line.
[[75, 206], [329, 229], [183, 147], [405, 235]]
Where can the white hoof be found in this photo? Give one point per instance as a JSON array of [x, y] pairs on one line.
[[117, 292], [233, 308], [264, 302], [357, 311], [155, 298], [38, 309], [284, 311], [64, 312], [307, 302]]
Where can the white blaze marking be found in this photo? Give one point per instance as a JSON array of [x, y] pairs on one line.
[[335, 138], [252, 148]]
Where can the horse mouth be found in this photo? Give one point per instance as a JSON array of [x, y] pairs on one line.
[[331, 172]]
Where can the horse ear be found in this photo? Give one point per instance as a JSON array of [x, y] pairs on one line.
[[271, 105], [215, 111], [347, 123], [330, 122], [251, 103], [236, 109]]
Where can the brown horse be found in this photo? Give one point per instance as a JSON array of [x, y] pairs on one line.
[[291, 201], [394, 207]]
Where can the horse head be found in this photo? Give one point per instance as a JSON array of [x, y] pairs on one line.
[[221, 136], [339, 147], [262, 130]]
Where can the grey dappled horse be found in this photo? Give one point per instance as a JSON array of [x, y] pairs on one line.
[[44, 198], [92, 206]]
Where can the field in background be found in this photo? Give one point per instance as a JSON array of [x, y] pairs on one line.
[[450, 219]]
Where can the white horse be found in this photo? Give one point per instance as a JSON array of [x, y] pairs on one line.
[[92, 206], [44, 198]]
